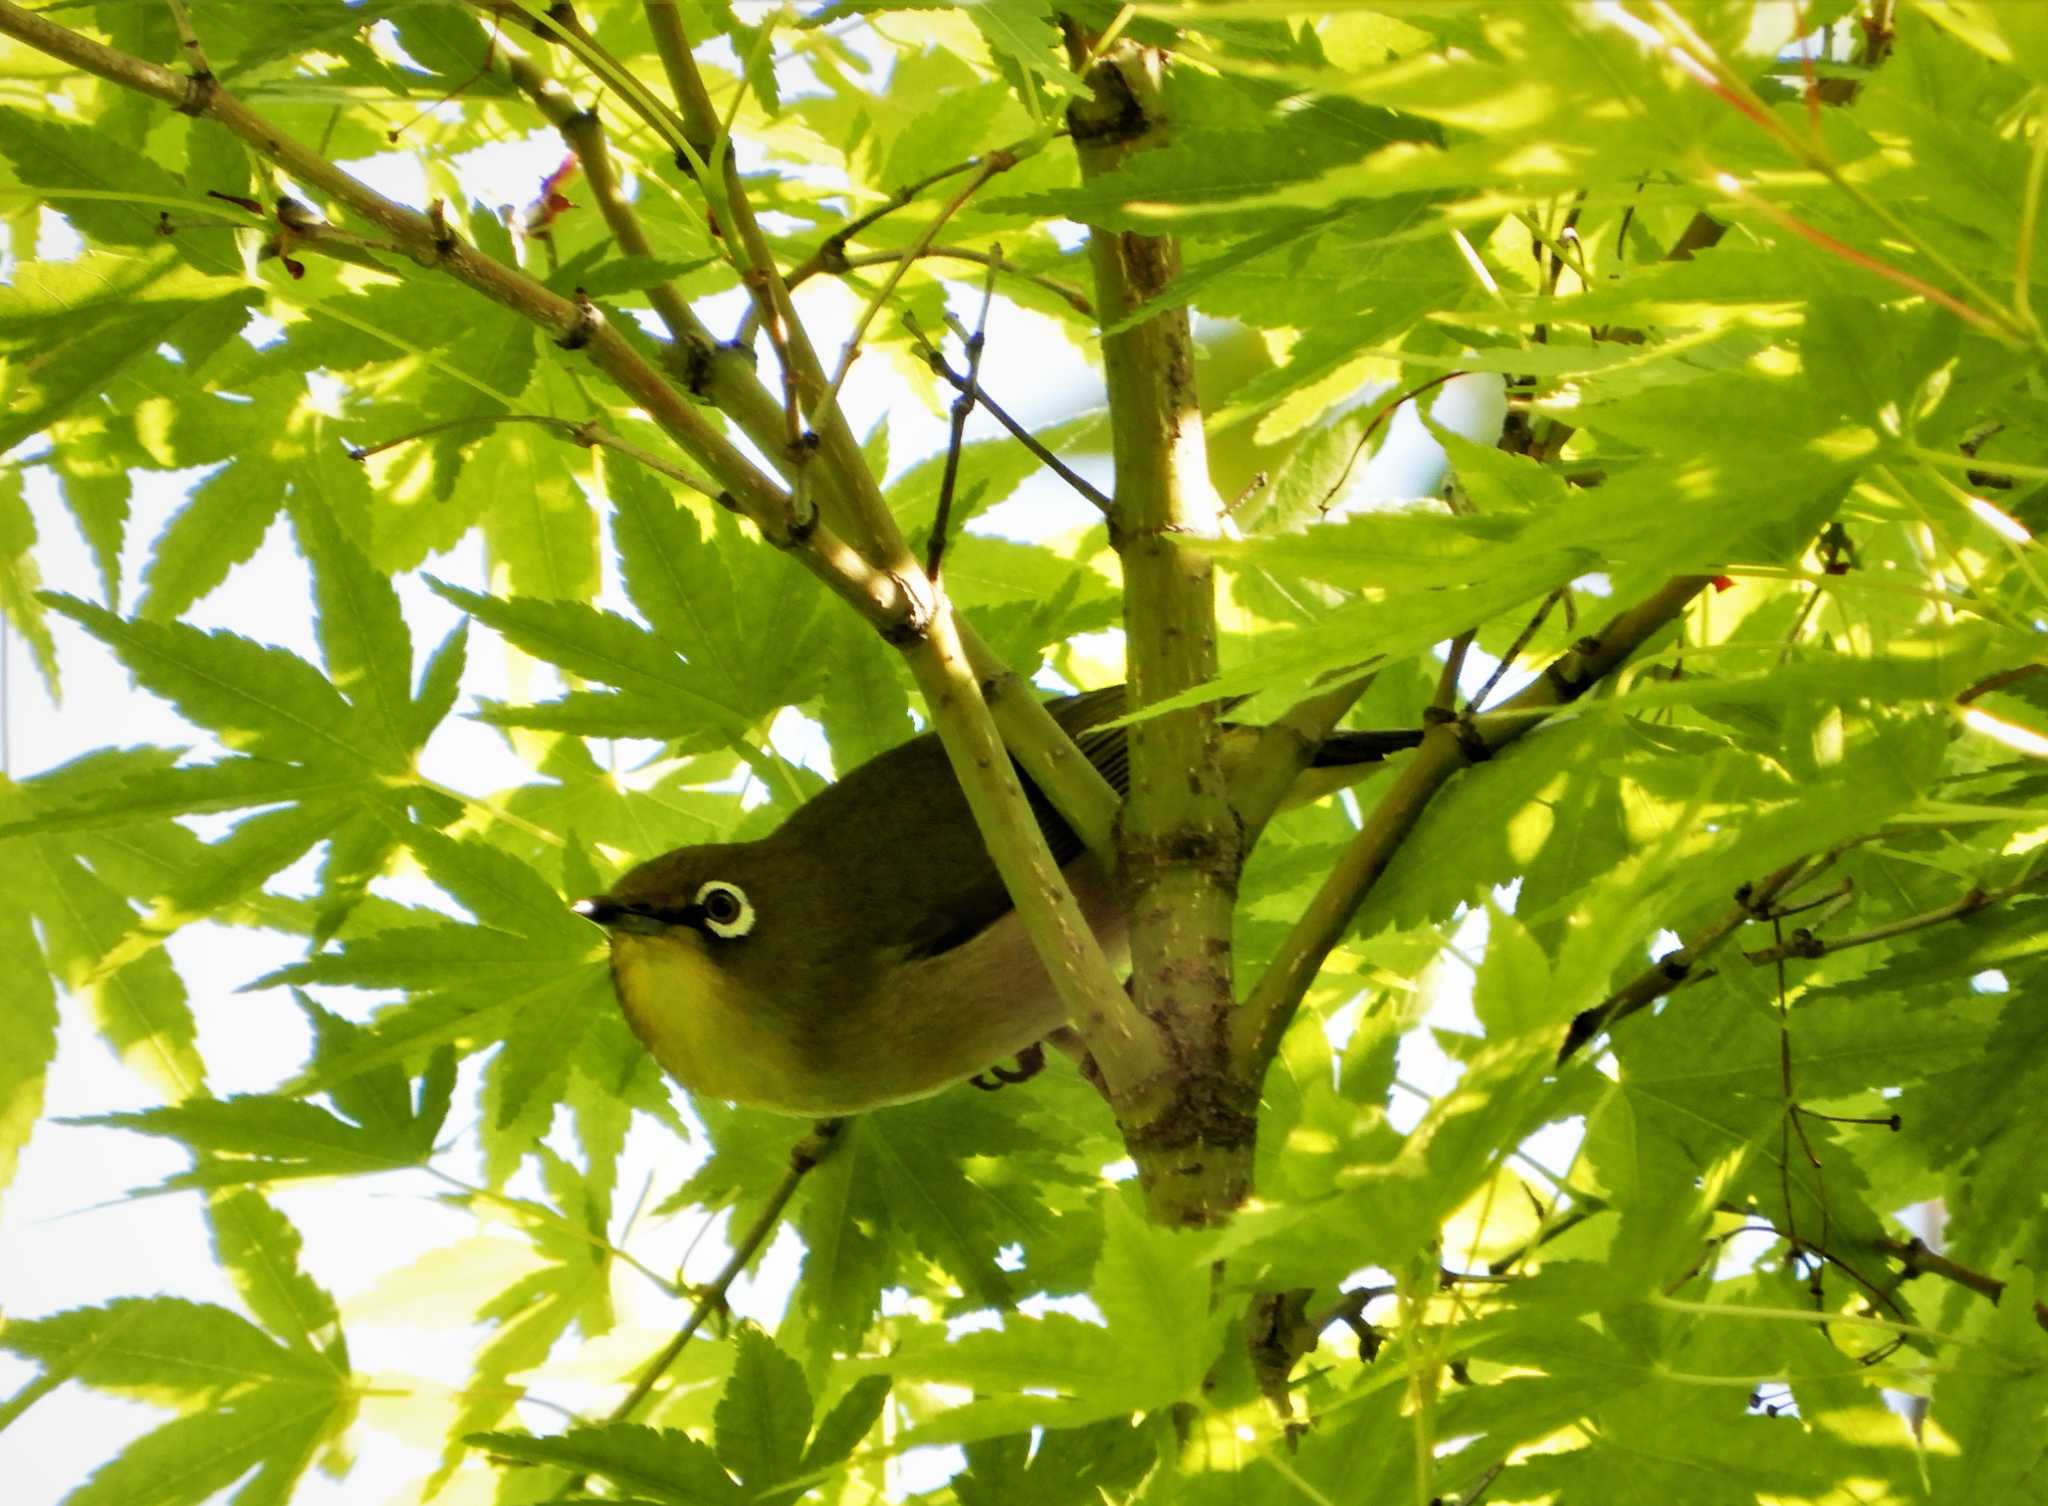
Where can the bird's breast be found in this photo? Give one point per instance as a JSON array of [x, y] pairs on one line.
[[688, 1014]]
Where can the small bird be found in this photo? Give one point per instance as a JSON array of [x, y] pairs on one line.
[[865, 953]]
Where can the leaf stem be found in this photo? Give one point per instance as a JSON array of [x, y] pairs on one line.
[[1970, 463], [995, 162], [589, 435], [1804, 1315], [554, 1221], [2030, 223], [492, 809]]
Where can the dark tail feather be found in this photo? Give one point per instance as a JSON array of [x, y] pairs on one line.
[[1364, 747]]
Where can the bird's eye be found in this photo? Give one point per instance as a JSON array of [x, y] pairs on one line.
[[726, 911]]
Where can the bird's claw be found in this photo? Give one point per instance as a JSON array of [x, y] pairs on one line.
[[1030, 1062]]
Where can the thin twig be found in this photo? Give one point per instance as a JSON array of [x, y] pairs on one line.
[[1829, 901], [1735, 90], [1790, 1127], [568, 28], [808, 1152], [1587, 1207], [831, 254], [1372, 428], [1073, 297], [589, 435], [1259, 482], [1804, 944], [995, 162], [723, 374], [188, 39], [1445, 701], [961, 384], [847, 489], [582, 131], [942, 519], [1514, 649], [1478, 1492], [1675, 969], [553, 1220], [1999, 681], [706, 153], [429, 243]]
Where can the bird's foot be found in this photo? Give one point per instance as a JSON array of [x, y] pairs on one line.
[[1030, 1062]]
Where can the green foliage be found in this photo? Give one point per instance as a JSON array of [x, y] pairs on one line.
[[766, 1448], [255, 1405], [1764, 310]]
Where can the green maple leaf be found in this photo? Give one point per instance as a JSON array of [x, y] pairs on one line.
[[1159, 1336], [763, 1430], [653, 1464], [331, 754], [380, 1124], [78, 921], [924, 1195], [252, 1399], [732, 633], [534, 1312], [764, 1414], [527, 972]]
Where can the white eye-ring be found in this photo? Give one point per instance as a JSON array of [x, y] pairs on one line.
[[726, 911]]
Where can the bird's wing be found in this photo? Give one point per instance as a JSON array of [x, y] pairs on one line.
[[971, 909], [1108, 749], [967, 914]]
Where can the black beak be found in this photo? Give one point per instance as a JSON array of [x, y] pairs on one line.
[[614, 916]]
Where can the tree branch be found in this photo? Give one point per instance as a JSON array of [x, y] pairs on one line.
[[1446, 748], [722, 374], [892, 594], [1674, 969], [1803, 943], [1124, 1044], [188, 39], [1180, 847], [583, 133], [806, 1154], [1047, 753], [1918, 1260], [883, 598], [856, 498], [1072, 297], [994, 163], [1260, 786], [831, 253]]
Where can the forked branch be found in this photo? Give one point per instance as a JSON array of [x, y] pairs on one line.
[[1446, 748]]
